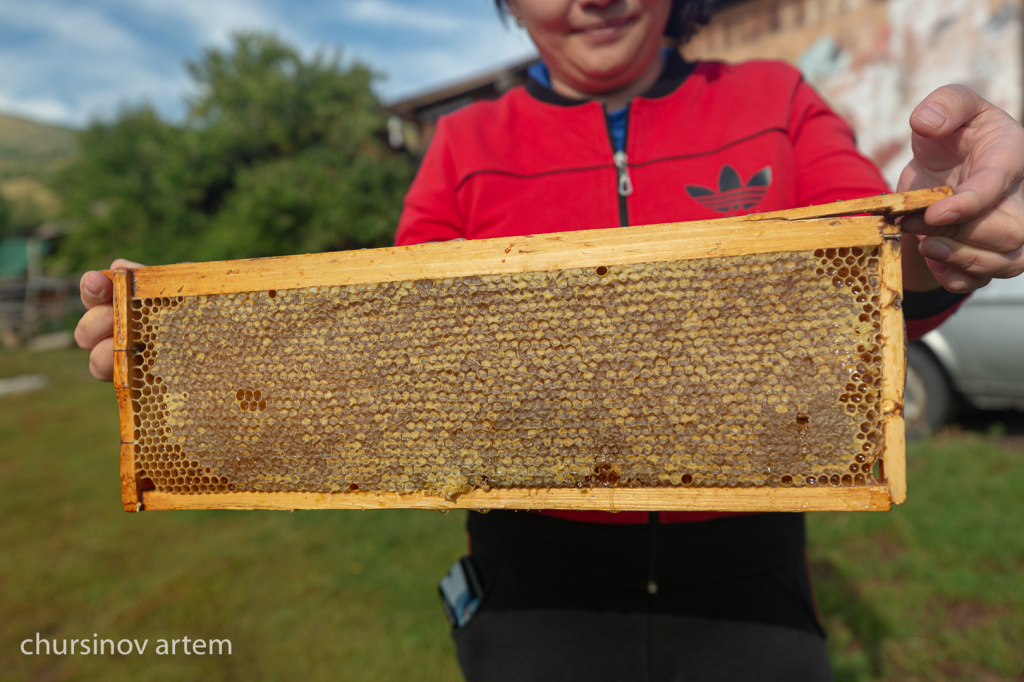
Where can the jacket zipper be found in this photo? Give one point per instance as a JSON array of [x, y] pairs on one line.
[[654, 523], [624, 184]]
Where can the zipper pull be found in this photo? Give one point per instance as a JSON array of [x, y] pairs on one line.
[[625, 183]]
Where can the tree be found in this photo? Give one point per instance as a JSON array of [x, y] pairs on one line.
[[277, 155]]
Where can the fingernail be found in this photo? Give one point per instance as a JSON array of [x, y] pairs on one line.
[[933, 116], [91, 288], [948, 218], [935, 249]]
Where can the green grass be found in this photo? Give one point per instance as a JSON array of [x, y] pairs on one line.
[[935, 589], [932, 591]]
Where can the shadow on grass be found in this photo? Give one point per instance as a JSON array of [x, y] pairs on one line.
[[857, 631], [1007, 424]]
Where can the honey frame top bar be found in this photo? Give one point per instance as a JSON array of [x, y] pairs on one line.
[[842, 224], [865, 222]]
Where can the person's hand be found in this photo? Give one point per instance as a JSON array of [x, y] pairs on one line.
[[977, 234], [95, 331]]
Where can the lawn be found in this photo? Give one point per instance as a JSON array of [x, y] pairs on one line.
[[935, 589], [932, 591]]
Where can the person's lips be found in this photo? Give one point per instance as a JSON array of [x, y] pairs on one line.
[[606, 29]]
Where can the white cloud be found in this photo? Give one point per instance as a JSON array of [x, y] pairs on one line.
[[42, 109], [395, 15], [71, 24], [68, 84], [212, 22]]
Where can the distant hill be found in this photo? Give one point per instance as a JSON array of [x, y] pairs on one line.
[[29, 154], [33, 149]]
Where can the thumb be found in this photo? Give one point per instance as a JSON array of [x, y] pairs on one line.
[[945, 110]]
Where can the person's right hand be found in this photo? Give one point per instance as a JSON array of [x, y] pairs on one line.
[[95, 331]]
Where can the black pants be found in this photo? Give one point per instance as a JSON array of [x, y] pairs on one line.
[[727, 599]]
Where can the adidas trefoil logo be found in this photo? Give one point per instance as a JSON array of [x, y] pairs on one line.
[[732, 194]]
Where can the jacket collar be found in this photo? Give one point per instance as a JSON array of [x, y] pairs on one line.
[[673, 73]]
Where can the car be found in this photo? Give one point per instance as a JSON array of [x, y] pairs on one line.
[[975, 359]]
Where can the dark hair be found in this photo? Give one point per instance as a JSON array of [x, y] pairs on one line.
[[686, 17]]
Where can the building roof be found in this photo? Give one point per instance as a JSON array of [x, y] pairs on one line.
[[432, 103]]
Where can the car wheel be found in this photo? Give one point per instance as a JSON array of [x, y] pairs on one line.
[[929, 400]]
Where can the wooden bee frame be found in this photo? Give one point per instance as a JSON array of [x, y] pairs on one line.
[[171, 458]]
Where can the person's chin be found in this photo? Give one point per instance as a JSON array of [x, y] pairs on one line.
[[609, 67], [597, 83]]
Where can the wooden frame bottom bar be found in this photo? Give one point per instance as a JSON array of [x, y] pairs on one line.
[[864, 498]]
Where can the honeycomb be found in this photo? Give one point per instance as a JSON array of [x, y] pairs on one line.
[[757, 370]]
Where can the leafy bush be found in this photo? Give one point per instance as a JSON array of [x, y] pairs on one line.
[[277, 155]]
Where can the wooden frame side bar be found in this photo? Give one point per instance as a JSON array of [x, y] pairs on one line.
[[131, 498], [122, 301], [868, 498], [122, 280], [894, 363]]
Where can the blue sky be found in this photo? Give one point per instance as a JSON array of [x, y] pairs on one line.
[[68, 61]]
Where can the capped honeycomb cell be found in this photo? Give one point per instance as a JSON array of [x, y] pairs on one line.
[[747, 371]]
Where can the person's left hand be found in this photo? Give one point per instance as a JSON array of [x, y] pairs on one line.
[[977, 234]]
